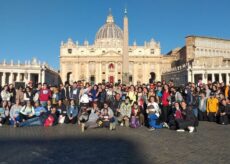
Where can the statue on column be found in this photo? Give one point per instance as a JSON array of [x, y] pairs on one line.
[[152, 78]]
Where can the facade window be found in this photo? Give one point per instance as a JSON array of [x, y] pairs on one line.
[[103, 72], [119, 51], [103, 51], [152, 51], [70, 51]]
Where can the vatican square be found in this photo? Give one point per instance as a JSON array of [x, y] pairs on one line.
[[114, 81]]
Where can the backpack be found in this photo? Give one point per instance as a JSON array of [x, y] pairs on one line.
[[49, 121]]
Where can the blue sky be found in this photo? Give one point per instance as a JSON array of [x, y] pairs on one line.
[[35, 28]]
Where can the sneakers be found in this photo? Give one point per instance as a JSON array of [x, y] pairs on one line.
[[180, 130], [122, 124], [82, 127], [191, 129], [151, 129], [0, 124], [111, 126], [165, 125]]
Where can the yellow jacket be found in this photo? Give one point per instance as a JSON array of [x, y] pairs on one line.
[[212, 105], [226, 91]]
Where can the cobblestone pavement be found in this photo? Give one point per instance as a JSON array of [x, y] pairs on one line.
[[66, 144]]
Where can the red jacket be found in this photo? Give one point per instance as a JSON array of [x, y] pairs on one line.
[[165, 96], [178, 115], [44, 95]]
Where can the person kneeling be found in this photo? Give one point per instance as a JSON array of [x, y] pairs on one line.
[[125, 112], [72, 112], [107, 118], [188, 121], [153, 112]]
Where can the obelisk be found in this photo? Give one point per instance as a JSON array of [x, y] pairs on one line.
[[125, 57]]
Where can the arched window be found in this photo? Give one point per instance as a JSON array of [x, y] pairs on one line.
[[111, 67]]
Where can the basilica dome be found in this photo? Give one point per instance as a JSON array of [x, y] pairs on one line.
[[109, 32]]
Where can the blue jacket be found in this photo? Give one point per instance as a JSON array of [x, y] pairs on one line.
[[72, 110]]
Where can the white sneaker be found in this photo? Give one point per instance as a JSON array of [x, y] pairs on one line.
[[151, 129], [165, 125], [122, 124], [180, 130], [111, 126], [191, 129], [0, 124], [82, 127]]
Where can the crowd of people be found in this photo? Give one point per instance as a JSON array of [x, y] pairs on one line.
[[156, 105]]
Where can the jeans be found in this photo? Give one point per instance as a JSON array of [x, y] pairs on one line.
[[212, 116], [36, 121], [153, 121], [195, 111], [165, 113], [12, 122], [202, 116]]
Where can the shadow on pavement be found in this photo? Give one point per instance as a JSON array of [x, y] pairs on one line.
[[70, 150]]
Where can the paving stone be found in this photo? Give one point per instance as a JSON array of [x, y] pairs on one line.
[[66, 144]]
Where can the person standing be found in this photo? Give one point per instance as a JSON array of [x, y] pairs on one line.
[[212, 107], [202, 104], [165, 103]]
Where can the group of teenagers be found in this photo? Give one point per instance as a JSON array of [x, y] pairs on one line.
[[156, 105]]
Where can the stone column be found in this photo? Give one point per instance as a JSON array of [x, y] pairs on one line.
[[28, 77], [3, 78], [106, 72], [213, 77], [227, 78], [87, 72], [116, 72], [189, 76], [18, 77], [11, 78], [204, 79], [99, 73], [43, 76], [220, 78]]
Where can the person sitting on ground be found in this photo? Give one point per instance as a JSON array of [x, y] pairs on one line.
[[153, 112], [125, 112], [175, 116], [61, 108], [83, 114], [93, 117], [105, 118], [38, 109], [72, 112], [110, 114], [14, 113], [47, 119], [5, 95], [223, 112], [4, 114], [188, 121], [26, 112], [49, 105]]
